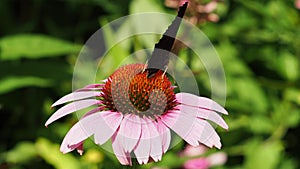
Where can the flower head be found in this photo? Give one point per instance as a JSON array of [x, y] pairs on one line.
[[137, 113], [136, 107]]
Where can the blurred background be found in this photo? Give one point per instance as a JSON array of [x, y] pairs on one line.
[[257, 40]]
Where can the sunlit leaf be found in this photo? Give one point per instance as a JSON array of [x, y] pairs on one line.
[[10, 83], [34, 46], [264, 155], [23, 152], [51, 154]]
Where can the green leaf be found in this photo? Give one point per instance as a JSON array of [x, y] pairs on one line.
[[39, 73], [261, 124], [249, 95], [22, 153], [10, 83], [138, 6], [148, 22], [288, 65], [292, 95], [34, 46], [262, 155], [51, 154]]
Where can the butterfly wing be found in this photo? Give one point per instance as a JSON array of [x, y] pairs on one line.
[[160, 56]]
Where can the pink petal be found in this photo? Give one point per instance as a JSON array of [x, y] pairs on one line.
[[123, 157], [68, 148], [180, 124], [142, 150], [156, 149], [130, 131], [204, 133], [91, 87], [165, 135], [74, 96], [204, 114], [70, 108], [201, 102], [208, 134], [191, 129], [108, 125], [83, 129], [100, 108]]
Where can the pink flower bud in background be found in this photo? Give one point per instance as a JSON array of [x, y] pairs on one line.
[[206, 162], [208, 8], [297, 4], [197, 163], [191, 151], [212, 17], [198, 11], [217, 159]]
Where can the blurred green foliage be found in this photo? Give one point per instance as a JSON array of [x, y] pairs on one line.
[[257, 41]]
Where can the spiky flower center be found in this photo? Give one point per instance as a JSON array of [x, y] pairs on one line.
[[129, 90]]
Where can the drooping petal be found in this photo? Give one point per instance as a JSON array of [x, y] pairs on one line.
[[130, 131], [70, 108], [75, 96], [180, 124], [193, 130], [201, 102], [165, 135], [142, 150], [83, 129], [123, 157], [109, 122], [206, 134], [156, 149], [204, 114]]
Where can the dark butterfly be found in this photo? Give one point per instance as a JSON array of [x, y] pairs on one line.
[[160, 56]]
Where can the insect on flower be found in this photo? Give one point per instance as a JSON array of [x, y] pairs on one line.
[[136, 108]]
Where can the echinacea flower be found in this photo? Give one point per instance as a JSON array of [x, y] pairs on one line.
[[137, 113], [136, 107]]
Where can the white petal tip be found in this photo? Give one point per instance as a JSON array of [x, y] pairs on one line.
[[64, 151], [218, 145], [80, 152], [47, 124], [156, 159], [53, 105], [143, 161], [225, 112]]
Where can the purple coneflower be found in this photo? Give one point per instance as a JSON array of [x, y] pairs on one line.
[[136, 107], [139, 121]]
